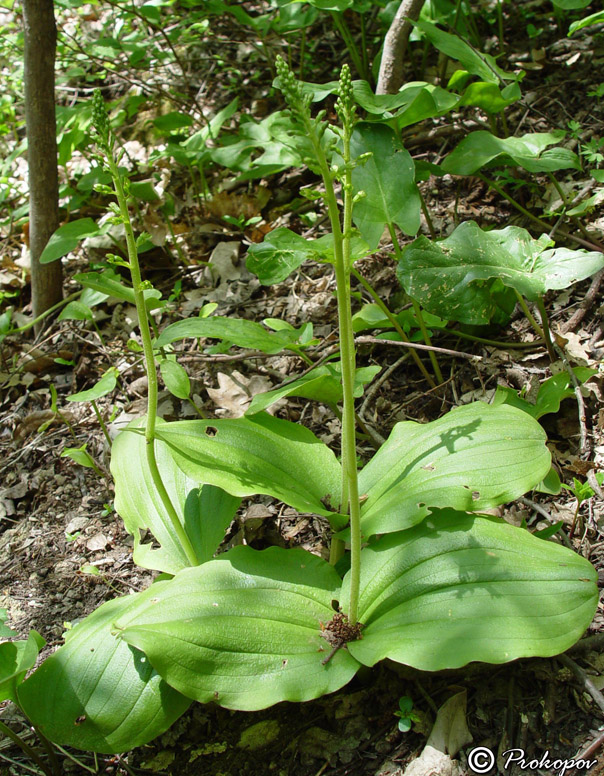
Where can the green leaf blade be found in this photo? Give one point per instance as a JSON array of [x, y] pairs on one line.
[[459, 277], [238, 331], [460, 588], [475, 457], [204, 510], [388, 180], [262, 454], [244, 630], [97, 693], [66, 238]]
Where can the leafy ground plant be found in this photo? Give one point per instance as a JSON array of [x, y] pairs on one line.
[[431, 583]]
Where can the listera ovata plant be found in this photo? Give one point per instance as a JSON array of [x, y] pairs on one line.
[[432, 583]]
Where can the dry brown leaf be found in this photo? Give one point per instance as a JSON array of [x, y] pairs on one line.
[[235, 392]]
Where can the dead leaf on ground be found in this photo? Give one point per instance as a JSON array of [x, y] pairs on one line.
[[235, 392]]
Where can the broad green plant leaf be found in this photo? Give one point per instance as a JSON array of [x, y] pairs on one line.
[[530, 151], [244, 630], [482, 65], [594, 18], [261, 454], [283, 251], [96, 692], [388, 180], [489, 97], [5, 631], [110, 283], [371, 316], [204, 511], [68, 237], [16, 659], [474, 457], [460, 588], [81, 456], [76, 311], [551, 393], [101, 388], [275, 135], [175, 378], [322, 384], [454, 277], [238, 331], [415, 101]]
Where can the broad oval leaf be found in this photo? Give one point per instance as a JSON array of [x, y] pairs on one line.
[[204, 510], [110, 283], [244, 630], [388, 180], [475, 457], [454, 277], [101, 388], [175, 379], [324, 384], [261, 454], [281, 252], [482, 65], [460, 587], [66, 238], [96, 692], [238, 331], [529, 151], [16, 659]]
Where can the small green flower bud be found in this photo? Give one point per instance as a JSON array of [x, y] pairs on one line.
[[100, 119]]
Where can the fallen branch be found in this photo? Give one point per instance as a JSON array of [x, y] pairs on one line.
[[415, 345]]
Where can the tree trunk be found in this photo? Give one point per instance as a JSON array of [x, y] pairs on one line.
[[390, 78], [40, 36]]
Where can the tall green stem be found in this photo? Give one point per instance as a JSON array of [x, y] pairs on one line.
[[143, 321], [350, 487]]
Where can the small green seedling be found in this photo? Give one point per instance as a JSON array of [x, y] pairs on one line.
[[582, 491], [406, 714], [82, 456]]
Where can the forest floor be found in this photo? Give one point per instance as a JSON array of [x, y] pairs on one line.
[[57, 519]]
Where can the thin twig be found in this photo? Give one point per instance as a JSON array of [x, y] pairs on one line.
[[417, 346], [542, 511], [585, 442], [595, 642], [588, 300], [378, 382], [584, 679]]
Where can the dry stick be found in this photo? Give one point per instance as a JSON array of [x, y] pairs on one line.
[[584, 679], [588, 301], [417, 346], [585, 443], [542, 511], [588, 751], [377, 384], [594, 642]]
